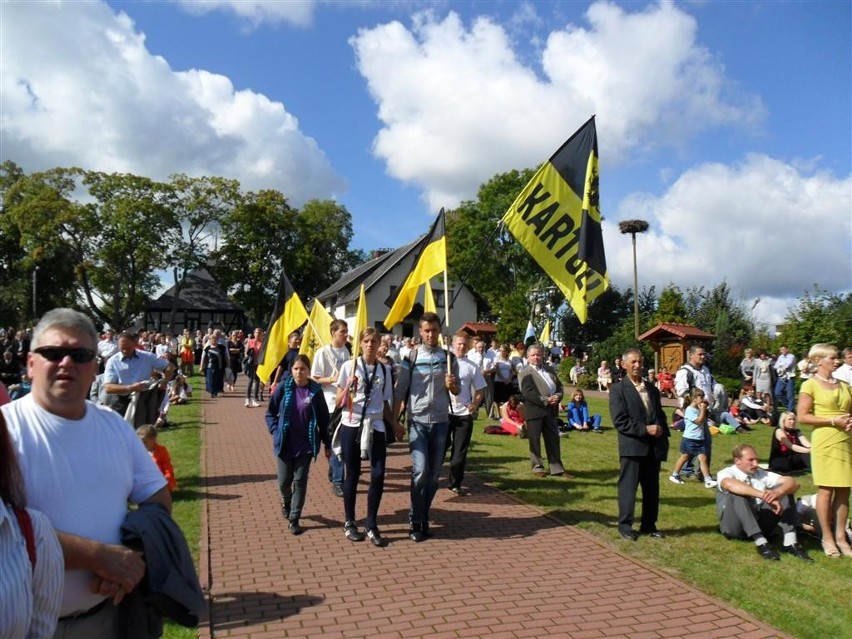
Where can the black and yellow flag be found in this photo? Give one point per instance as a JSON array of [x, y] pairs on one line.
[[431, 260], [287, 316], [557, 219]]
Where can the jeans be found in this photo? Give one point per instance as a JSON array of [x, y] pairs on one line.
[[293, 482], [253, 383], [784, 393], [351, 444], [426, 443], [335, 470]]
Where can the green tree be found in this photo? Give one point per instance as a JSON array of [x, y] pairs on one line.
[[199, 205], [607, 311], [818, 317], [671, 307]]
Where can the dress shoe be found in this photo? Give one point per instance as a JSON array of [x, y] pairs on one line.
[[767, 553], [629, 535], [350, 530], [539, 473], [796, 551], [654, 534], [295, 528], [416, 533], [375, 537]]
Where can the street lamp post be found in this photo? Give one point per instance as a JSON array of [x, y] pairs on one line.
[[633, 227], [35, 288]]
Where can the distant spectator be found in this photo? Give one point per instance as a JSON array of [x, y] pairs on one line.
[[747, 367], [576, 371], [10, 371], [512, 417], [578, 414], [604, 377], [665, 383], [791, 450], [214, 360], [844, 372]]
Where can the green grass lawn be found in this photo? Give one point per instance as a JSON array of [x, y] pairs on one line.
[[184, 444], [805, 601]]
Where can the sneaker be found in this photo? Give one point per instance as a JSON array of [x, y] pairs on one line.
[[710, 482], [295, 528], [285, 511], [375, 537], [247, 404], [350, 530], [337, 489], [254, 404], [675, 479]]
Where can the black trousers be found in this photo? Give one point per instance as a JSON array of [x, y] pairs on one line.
[[458, 443], [638, 472]]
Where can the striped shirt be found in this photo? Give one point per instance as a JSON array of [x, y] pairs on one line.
[[29, 598]]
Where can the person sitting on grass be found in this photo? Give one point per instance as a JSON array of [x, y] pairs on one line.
[[159, 453], [179, 390], [512, 417], [751, 502], [692, 444], [578, 414], [791, 451], [753, 409]]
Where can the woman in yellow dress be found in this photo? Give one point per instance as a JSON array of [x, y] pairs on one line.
[[826, 404]]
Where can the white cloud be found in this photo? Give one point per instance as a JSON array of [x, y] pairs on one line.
[[769, 228], [79, 88], [458, 105], [296, 12]]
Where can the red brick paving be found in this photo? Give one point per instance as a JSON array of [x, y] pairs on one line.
[[495, 568]]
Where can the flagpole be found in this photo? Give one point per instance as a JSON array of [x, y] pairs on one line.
[[475, 262]]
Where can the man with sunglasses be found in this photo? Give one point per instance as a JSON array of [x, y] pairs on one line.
[[81, 465]]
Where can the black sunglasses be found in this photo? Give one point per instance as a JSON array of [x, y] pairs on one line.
[[57, 354]]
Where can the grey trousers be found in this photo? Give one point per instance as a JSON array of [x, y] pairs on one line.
[[743, 518], [293, 482]]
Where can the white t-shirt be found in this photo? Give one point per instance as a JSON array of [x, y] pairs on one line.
[[327, 363], [470, 381], [382, 392], [81, 473]]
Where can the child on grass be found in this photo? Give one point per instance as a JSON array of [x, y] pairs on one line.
[[159, 453], [692, 444]]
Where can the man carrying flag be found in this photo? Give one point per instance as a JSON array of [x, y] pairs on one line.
[[557, 219]]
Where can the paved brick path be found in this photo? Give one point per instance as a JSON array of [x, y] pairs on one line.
[[496, 568]]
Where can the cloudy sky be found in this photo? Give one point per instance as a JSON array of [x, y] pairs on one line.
[[726, 125]]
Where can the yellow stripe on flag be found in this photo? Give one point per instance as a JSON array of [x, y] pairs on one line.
[[360, 323], [545, 333], [317, 332], [431, 262], [287, 316], [557, 219]]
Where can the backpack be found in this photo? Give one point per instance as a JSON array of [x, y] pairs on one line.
[[412, 359]]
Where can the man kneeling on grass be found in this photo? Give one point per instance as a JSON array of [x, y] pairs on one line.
[[751, 502]]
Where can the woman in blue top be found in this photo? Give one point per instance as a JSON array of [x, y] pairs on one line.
[[578, 414], [297, 418]]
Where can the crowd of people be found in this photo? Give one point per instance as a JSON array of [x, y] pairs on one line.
[[353, 408]]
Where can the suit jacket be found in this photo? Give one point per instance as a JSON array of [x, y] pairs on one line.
[[630, 419], [534, 389]]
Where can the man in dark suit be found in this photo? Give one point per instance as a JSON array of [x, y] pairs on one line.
[[542, 393], [643, 442]]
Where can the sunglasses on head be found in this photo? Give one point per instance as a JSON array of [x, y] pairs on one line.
[[57, 354]]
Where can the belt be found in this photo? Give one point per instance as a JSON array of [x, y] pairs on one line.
[[85, 613]]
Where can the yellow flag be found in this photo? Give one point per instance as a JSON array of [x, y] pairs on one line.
[[360, 323], [431, 260], [545, 333], [317, 332], [287, 316], [557, 219]]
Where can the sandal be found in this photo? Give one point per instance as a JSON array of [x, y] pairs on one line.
[[830, 550], [845, 550]]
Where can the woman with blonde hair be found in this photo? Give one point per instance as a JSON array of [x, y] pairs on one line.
[[826, 404]]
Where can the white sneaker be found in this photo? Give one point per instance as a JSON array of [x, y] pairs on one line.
[[709, 483], [247, 404], [254, 404], [675, 478]]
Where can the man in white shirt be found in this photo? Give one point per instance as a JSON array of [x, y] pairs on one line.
[[482, 358], [785, 368], [325, 369], [81, 465], [463, 408], [844, 371], [107, 347], [542, 392], [751, 501]]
